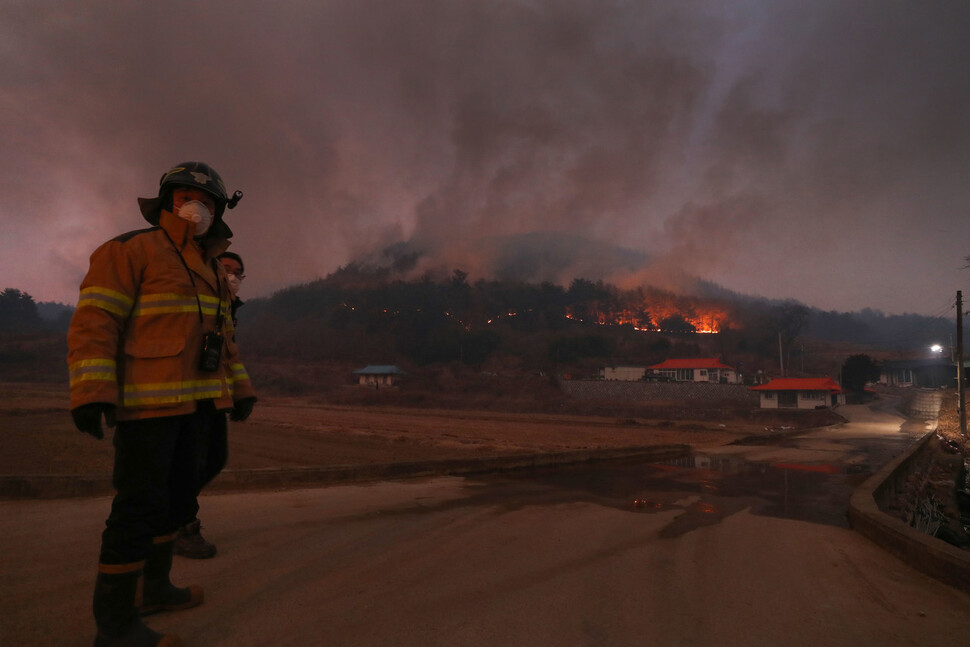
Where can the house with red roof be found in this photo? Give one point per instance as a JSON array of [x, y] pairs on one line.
[[800, 393], [705, 369]]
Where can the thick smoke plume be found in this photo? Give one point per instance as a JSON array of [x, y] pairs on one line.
[[788, 149]]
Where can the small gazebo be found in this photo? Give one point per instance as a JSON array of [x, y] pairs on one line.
[[378, 375]]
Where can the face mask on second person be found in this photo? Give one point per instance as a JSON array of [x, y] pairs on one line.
[[195, 211], [234, 282]]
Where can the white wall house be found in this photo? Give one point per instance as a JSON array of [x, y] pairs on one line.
[[800, 393], [623, 373], [707, 369]]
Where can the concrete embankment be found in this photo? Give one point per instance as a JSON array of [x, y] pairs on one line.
[[922, 551]]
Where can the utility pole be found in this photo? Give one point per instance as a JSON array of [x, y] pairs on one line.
[[960, 388], [781, 356]]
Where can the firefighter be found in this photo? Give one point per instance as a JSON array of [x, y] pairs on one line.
[[151, 350], [190, 542], [232, 263]]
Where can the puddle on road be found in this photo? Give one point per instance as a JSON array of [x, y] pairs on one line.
[[706, 488], [702, 489]]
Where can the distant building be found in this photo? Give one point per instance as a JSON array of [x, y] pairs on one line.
[[378, 375], [800, 393], [708, 369], [927, 373], [623, 373]]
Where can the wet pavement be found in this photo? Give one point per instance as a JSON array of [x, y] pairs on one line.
[[733, 546], [805, 476]]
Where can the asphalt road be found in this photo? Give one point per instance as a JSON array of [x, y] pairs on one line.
[[650, 555]]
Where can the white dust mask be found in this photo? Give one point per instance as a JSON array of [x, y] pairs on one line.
[[195, 211], [234, 282]]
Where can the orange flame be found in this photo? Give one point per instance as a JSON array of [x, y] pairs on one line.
[[704, 319]]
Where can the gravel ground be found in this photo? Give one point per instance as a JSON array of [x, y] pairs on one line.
[[39, 437]]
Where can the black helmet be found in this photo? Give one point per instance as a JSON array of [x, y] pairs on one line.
[[196, 175]]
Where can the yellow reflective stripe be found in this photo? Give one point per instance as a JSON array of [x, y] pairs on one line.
[[167, 303], [156, 304], [93, 369], [171, 392], [110, 300], [212, 305], [238, 372], [139, 312]]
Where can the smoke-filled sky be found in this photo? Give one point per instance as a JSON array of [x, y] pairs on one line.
[[789, 149]]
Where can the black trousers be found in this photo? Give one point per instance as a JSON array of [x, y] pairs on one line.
[[160, 466], [217, 454]]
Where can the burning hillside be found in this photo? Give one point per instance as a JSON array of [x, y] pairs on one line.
[[406, 305], [698, 319], [655, 310]]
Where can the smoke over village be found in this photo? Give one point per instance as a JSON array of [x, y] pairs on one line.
[[785, 150], [542, 322]]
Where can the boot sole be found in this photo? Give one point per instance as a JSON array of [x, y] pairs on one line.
[[168, 640], [197, 597], [208, 555]]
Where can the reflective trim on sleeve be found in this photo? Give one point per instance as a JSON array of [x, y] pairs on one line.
[[110, 300], [93, 369], [238, 373], [140, 395]]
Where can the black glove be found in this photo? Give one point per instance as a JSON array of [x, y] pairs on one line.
[[87, 417], [242, 409]]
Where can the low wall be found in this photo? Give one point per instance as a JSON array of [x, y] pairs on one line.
[[682, 392], [926, 553]]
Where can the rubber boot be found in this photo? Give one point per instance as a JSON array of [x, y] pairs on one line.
[[115, 613], [190, 542], [159, 594]]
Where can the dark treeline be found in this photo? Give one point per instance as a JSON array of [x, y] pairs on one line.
[[361, 316], [891, 332], [33, 346], [19, 313]]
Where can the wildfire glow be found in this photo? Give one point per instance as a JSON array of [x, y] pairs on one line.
[[660, 315], [706, 320]]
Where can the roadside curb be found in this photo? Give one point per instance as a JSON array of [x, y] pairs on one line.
[[64, 486], [930, 555]]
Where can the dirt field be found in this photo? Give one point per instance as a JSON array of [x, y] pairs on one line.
[[38, 436]]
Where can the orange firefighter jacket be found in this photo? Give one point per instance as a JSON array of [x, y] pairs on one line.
[[136, 336]]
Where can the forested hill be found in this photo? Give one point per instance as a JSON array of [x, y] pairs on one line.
[[354, 314], [438, 320], [890, 332]]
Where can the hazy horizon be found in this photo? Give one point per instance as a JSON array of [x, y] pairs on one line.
[[781, 149]]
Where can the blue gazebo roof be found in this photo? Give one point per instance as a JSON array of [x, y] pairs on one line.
[[379, 369]]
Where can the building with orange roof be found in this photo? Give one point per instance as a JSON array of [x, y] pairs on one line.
[[800, 393]]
